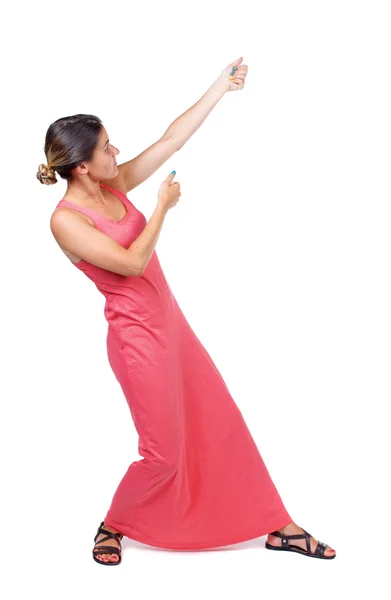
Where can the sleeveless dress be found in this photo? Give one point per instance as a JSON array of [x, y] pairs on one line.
[[202, 482]]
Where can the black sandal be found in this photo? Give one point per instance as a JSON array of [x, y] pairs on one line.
[[107, 549], [319, 551]]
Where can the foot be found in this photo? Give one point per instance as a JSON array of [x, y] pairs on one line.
[[293, 529], [110, 542]]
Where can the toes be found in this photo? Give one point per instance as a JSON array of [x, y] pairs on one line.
[[107, 557]]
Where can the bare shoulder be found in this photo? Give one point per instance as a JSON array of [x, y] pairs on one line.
[[61, 216], [63, 212]]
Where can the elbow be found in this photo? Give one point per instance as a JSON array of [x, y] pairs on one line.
[[133, 271], [137, 271], [133, 266], [175, 144]]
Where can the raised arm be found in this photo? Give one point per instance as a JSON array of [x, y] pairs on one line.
[[138, 169]]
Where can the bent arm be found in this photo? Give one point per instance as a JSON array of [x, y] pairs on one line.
[[142, 248], [76, 235]]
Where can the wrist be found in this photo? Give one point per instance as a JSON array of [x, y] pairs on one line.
[[220, 87], [161, 209]]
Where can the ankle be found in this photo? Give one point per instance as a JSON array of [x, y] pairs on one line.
[[287, 527], [110, 528]]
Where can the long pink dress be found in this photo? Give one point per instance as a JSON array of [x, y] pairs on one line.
[[202, 482]]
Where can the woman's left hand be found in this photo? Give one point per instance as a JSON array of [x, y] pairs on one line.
[[233, 76]]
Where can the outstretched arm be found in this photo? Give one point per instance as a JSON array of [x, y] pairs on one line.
[[141, 167], [232, 78]]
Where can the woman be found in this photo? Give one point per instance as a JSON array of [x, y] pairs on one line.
[[202, 482]]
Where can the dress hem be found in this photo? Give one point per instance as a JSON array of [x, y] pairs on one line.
[[228, 541]]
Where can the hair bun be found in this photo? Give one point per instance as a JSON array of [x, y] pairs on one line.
[[46, 175]]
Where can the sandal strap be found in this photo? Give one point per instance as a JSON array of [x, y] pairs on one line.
[[308, 541], [110, 551], [320, 548], [110, 534], [296, 536], [104, 539], [106, 550]]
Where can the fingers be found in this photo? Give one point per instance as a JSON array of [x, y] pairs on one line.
[[242, 69], [241, 72], [240, 75]]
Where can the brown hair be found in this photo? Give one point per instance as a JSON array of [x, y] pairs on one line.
[[69, 141]]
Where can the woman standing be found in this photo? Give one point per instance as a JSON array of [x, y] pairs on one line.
[[202, 482]]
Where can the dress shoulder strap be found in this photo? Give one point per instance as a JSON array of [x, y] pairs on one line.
[[95, 217]]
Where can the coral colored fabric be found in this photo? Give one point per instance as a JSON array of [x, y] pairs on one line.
[[202, 482]]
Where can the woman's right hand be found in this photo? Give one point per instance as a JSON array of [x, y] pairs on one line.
[[169, 192]]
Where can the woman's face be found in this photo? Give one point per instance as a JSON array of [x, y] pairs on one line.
[[104, 156], [104, 164]]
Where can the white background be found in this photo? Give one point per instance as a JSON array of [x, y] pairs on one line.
[[278, 253]]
